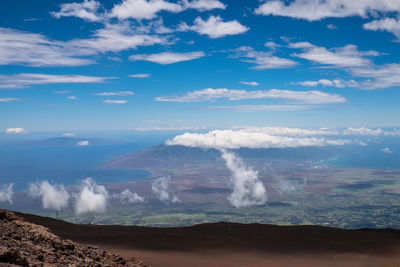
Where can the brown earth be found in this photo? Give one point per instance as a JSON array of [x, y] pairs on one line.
[[26, 244], [231, 245]]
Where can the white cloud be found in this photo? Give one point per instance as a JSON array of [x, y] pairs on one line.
[[247, 189], [127, 196], [9, 99], [339, 83], [17, 47], [85, 10], [387, 150], [62, 92], [204, 5], [6, 193], [160, 187], [72, 97], [83, 143], [143, 9], [250, 108], [167, 57], [331, 26], [53, 196], [262, 60], [116, 93], [140, 75], [215, 27], [24, 80], [378, 77], [92, 198], [210, 94], [68, 134], [148, 9], [362, 131], [170, 128], [391, 25], [316, 9], [251, 83], [249, 138], [109, 101], [347, 56], [15, 131]]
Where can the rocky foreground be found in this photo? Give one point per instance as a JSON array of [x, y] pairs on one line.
[[27, 244]]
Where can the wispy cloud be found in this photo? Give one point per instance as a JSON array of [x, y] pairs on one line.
[[85, 10], [170, 128], [68, 134], [116, 93], [109, 101], [72, 97], [215, 27], [62, 92], [262, 60], [316, 10], [339, 83], [83, 143], [140, 75], [6, 193], [250, 108], [210, 94], [168, 57], [24, 80], [160, 187], [251, 83], [391, 25], [9, 99]]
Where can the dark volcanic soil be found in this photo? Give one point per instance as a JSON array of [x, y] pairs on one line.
[[27, 244], [227, 244]]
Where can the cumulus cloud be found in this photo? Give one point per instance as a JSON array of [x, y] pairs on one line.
[[9, 99], [15, 131], [139, 75], [262, 60], [143, 9], [391, 25], [127, 196], [339, 83], [215, 27], [247, 190], [312, 10], [83, 143], [53, 196], [204, 5], [387, 150], [23, 80], [6, 193], [166, 58], [160, 187], [251, 83], [148, 9], [85, 10], [92, 198], [116, 93], [210, 94], [109, 101]]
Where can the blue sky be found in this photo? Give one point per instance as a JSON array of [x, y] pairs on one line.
[[154, 64]]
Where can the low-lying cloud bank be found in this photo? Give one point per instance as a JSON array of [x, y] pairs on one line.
[[247, 190], [53, 197], [160, 187], [6, 193]]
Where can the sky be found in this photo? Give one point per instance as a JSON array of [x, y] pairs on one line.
[[197, 64]]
